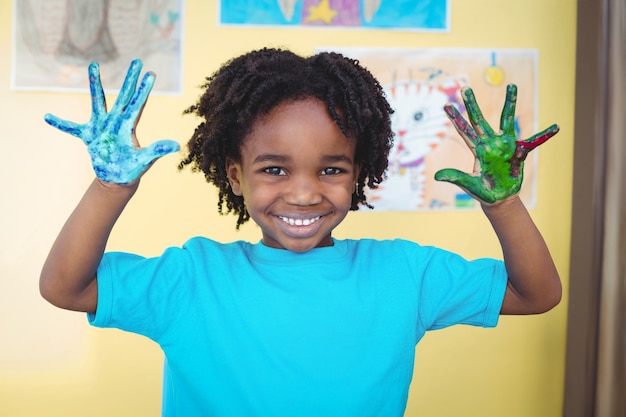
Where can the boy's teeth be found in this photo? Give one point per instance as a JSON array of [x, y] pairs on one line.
[[299, 222]]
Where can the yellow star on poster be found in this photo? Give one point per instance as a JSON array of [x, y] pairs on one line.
[[321, 12]]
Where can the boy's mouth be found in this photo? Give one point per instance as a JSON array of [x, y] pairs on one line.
[[299, 222]]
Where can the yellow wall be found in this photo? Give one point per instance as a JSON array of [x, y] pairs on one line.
[[53, 364]]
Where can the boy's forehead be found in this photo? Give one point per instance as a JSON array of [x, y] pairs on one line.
[[266, 139], [292, 128], [292, 111]]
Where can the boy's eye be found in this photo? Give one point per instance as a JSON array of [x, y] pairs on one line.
[[274, 171], [331, 171]]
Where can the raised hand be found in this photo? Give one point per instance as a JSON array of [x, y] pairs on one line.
[[499, 157], [110, 136]]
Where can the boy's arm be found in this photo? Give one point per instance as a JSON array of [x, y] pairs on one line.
[[68, 277], [534, 285]]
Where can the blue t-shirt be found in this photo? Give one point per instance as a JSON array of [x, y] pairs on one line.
[[249, 330]]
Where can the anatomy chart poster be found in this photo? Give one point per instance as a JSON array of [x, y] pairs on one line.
[[418, 83], [55, 40], [422, 15]]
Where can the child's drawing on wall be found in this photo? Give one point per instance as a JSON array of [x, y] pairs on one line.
[[56, 39], [420, 126], [417, 83], [422, 15]]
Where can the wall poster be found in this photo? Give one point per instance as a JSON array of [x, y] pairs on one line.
[[422, 15], [418, 82], [55, 40]]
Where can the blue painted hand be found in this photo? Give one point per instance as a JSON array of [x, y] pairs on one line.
[[110, 136]]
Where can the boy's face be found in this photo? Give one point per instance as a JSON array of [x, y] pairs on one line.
[[297, 175]]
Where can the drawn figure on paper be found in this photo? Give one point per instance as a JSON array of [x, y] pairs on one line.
[[419, 124], [63, 36]]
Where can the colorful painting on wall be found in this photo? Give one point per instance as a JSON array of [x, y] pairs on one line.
[[55, 40], [418, 83], [422, 15]]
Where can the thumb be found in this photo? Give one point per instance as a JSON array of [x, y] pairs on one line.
[[158, 149], [146, 156], [452, 175], [471, 185]]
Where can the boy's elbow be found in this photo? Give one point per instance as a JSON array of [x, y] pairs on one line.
[[551, 297], [537, 300], [59, 296], [552, 300], [49, 292]]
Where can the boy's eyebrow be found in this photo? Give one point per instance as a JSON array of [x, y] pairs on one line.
[[276, 158], [337, 158], [269, 157]]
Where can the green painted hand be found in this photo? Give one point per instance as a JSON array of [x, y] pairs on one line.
[[110, 136], [499, 157]]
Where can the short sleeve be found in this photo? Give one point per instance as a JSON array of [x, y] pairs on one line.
[[457, 291], [136, 294]]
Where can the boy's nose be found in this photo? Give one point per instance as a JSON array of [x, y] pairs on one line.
[[303, 191]]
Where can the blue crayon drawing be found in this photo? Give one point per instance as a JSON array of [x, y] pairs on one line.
[[422, 15]]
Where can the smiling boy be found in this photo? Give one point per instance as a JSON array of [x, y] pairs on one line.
[[299, 323]]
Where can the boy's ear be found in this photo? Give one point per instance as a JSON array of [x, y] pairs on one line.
[[233, 172], [357, 172]]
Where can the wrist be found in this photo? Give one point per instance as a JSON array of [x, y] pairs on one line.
[[509, 205], [510, 200], [125, 191]]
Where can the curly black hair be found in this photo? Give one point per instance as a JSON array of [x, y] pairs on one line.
[[251, 85]]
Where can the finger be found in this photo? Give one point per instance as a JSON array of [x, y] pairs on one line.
[[143, 159], [128, 87], [157, 150], [538, 138], [475, 114], [449, 175], [464, 129], [66, 126], [98, 100], [507, 119], [133, 111], [471, 185], [136, 105]]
